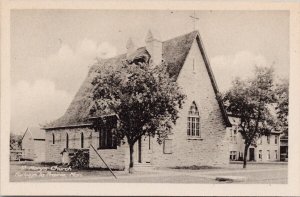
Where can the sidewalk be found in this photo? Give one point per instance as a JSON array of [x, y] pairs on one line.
[[261, 162]]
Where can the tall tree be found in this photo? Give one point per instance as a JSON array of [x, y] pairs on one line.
[[282, 107], [145, 99], [250, 100]]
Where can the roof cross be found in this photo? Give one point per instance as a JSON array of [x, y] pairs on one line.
[[194, 18]]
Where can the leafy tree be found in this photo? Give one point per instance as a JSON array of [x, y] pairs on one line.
[[250, 100], [15, 141], [145, 99], [282, 108]]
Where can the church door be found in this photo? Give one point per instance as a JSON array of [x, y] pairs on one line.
[[251, 156], [143, 150], [140, 150]]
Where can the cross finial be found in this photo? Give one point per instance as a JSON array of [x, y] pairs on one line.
[[194, 18]]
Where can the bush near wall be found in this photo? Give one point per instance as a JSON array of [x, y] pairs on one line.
[[80, 159]]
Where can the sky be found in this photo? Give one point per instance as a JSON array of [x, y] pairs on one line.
[[52, 50]]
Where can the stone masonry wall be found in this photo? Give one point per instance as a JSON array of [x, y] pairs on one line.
[[53, 150], [113, 157], [212, 147]]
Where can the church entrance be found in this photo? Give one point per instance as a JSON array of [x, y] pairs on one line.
[[143, 150], [140, 150], [251, 155]]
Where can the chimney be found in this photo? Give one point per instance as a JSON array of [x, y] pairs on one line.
[[130, 46], [154, 47]]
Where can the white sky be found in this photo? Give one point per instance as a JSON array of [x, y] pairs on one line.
[[51, 50]]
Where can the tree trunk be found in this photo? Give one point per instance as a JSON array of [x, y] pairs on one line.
[[131, 158], [245, 155]]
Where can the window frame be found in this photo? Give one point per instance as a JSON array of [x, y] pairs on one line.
[[81, 140], [105, 144], [193, 122], [260, 154], [53, 138], [268, 139], [233, 156], [67, 140]]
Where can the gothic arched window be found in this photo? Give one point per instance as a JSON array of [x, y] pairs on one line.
[[193, 126], [67, 140], [53, 138], [82, 140]]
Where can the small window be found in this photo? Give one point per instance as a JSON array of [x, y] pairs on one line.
[[107, 139], [53, 138], [260, 154], [276, 139], [193, 126], [232, 155], [268, 139], [269, 155], [275, 154], [81, 140], [167, 146], [67, 140]]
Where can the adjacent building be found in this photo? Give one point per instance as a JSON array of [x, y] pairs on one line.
[[267, 147], [33, 144], [284, 147]]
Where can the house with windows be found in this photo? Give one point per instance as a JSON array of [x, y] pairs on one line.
[[33, 144], [267, 147], [284, 147], [199, 136]]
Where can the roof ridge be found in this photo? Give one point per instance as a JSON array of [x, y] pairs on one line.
[[195, 31]]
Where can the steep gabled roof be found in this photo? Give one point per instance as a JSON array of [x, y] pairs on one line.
[[35, 132], [176, 50], [78, 112], [174, 53]]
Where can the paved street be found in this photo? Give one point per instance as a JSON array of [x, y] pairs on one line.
[[254, 173]]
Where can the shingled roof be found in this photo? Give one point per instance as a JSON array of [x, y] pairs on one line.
[[36, 133], [174, 53]]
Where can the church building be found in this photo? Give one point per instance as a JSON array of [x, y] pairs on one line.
[[198, 138]]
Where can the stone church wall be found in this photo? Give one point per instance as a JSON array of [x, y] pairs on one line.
[[113, 157], [212, 147]]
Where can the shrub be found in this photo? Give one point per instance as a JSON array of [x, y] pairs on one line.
[[80, 159]]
